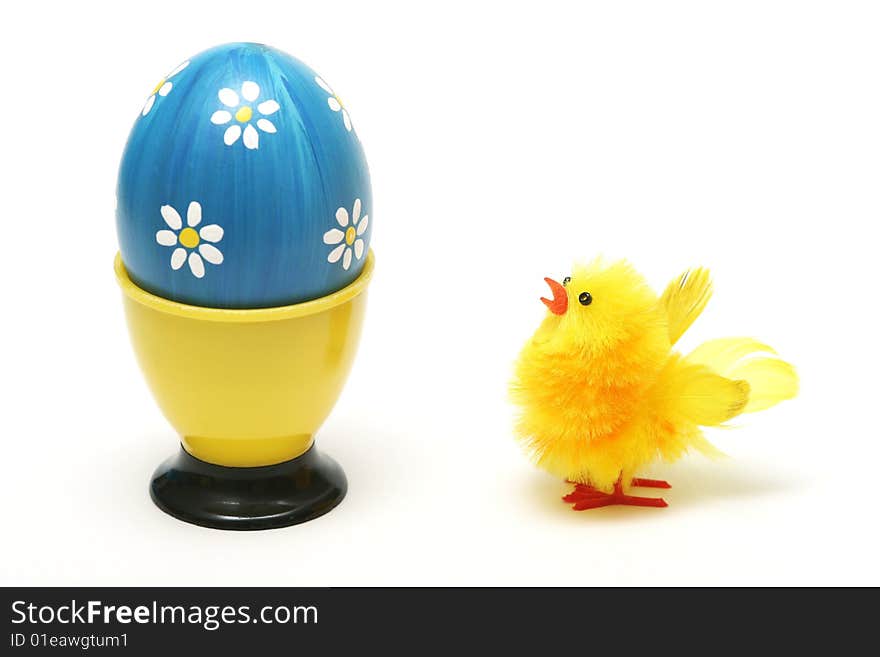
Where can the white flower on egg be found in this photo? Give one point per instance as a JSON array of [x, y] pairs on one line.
[[243, 115], [192, 246], [162, 89], [334, 102], [349, 235]]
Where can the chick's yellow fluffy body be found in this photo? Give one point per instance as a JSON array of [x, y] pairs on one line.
[[601, 391]]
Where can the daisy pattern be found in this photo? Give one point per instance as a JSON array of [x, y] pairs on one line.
[[163, 88], [244, 114], [192, 245], [349, 238], [335, 103]]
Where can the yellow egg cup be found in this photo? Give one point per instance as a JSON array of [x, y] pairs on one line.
[[246, 390]]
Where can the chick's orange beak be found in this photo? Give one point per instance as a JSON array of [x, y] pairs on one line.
[[559, 304]]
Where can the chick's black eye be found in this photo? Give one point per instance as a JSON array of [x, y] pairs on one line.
[[585, 298], [566, 280]]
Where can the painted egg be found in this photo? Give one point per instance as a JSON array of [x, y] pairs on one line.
[[243, 184]]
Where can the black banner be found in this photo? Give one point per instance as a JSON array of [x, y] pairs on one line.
[[241, 621]]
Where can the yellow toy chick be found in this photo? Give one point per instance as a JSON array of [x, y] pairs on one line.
[[602, 393]]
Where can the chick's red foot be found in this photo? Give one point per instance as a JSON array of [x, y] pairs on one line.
[[649, 483], [585, 497]]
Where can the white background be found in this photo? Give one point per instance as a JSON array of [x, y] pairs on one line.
[[504, 142]]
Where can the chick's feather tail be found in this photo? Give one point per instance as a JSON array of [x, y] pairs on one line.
[[697, 395], [684, 300], [770, 379]]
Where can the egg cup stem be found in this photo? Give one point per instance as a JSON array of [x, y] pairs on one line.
[[264, 497]]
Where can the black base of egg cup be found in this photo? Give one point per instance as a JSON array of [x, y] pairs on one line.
[[265, 497]]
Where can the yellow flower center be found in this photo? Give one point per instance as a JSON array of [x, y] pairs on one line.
[[158, 86], [244, 114], [350, 235], [339, 100], [189, 238]]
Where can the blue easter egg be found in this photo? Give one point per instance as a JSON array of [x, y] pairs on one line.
[[243, 184]]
